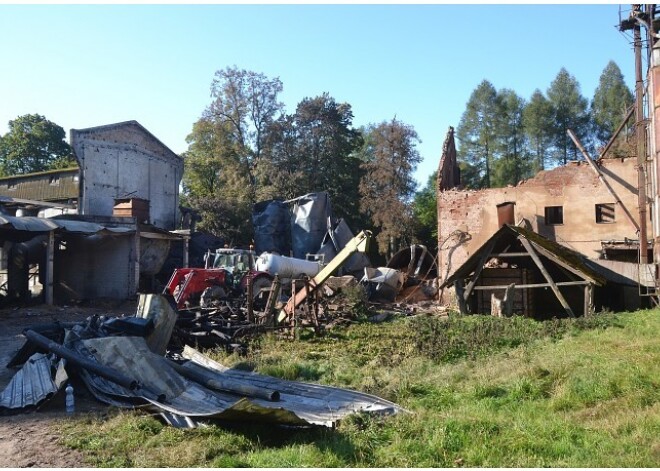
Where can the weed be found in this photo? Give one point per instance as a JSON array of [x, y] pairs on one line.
[[482, 391]]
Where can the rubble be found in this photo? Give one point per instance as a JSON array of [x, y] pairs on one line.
[[125, 370]]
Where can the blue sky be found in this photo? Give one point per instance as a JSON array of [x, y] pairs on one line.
[[88, 65]]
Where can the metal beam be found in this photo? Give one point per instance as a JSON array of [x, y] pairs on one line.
[[602, 179], [50, 264], [629, 114]]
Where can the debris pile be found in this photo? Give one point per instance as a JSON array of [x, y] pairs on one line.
[[122, 363]]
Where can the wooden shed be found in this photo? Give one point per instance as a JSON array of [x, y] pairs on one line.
[[524, 273]]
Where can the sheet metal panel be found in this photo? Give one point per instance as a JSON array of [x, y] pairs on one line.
[[37, 381], [300, 403]]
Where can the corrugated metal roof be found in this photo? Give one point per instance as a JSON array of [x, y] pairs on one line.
[[53, 185], [299, 404], [35, 224], [37, 381]]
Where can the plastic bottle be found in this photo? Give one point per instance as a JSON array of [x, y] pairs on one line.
[[70, 401]]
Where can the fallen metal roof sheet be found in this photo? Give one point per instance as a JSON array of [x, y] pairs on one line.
[[38, 380], [299, 404]]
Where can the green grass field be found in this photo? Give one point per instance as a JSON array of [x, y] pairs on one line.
[[481, 391]]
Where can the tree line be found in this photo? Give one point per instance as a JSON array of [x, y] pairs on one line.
[[247, 148], [504, 138]]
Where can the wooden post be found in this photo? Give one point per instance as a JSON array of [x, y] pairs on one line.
[[507, 302], [460, 296], [546, 275], [50, 264], [588, 300]]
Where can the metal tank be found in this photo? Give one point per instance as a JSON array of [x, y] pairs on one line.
[[286, 267]]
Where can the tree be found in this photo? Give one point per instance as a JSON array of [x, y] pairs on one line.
[[477, 134], [612, 99], [569, 110], [315, 150], [537, 121], [389, 159], [512, 164], [245, 104], [425, 211], [34, 144]]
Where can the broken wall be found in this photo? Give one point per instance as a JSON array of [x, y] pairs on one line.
[[469, 217], [125, 160]]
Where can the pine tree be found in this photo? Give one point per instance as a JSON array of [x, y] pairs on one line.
[[537, 120], [569, 110], [477, 135], [611, 100]]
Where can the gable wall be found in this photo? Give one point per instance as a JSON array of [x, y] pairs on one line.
[[467, 218], [124, 160]]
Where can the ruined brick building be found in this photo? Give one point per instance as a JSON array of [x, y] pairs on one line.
[[602, 211]]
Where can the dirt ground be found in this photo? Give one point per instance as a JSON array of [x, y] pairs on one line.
[[27, 440]]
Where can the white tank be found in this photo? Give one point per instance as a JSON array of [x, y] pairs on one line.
[[286, 267]]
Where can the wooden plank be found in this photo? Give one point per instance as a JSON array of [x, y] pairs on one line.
[[546, 275], [531, 285], [588, 300], [510, 254], [559, 262], [480, 266], [507, 302]]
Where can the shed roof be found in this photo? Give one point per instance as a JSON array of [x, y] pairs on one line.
[[502, 239]]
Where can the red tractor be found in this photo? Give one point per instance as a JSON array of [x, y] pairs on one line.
[[225, 276]]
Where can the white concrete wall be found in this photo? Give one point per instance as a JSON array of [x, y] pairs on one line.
[[125, 160]]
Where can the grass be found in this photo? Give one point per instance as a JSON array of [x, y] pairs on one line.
[[482, 392]]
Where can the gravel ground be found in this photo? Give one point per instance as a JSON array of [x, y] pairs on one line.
[[27, 439]]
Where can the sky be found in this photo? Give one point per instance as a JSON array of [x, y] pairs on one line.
[[89, 65]]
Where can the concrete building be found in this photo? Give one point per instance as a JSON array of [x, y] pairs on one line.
[[124, 160], [111, 217]]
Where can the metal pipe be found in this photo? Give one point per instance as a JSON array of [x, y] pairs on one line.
[[73, 357], [629, 113], [601, 177], [195, 373], [641, 145]]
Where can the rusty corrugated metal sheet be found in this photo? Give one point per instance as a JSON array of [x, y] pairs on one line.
[[38, 380], [53, 185]]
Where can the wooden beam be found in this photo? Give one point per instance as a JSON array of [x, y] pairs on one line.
[[546, 275], [510, 254], [588, 300], [531, 285], [507, 301], [460, 296], [480, 266], [559, 262]]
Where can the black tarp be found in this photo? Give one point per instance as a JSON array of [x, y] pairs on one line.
[[272, 227]]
